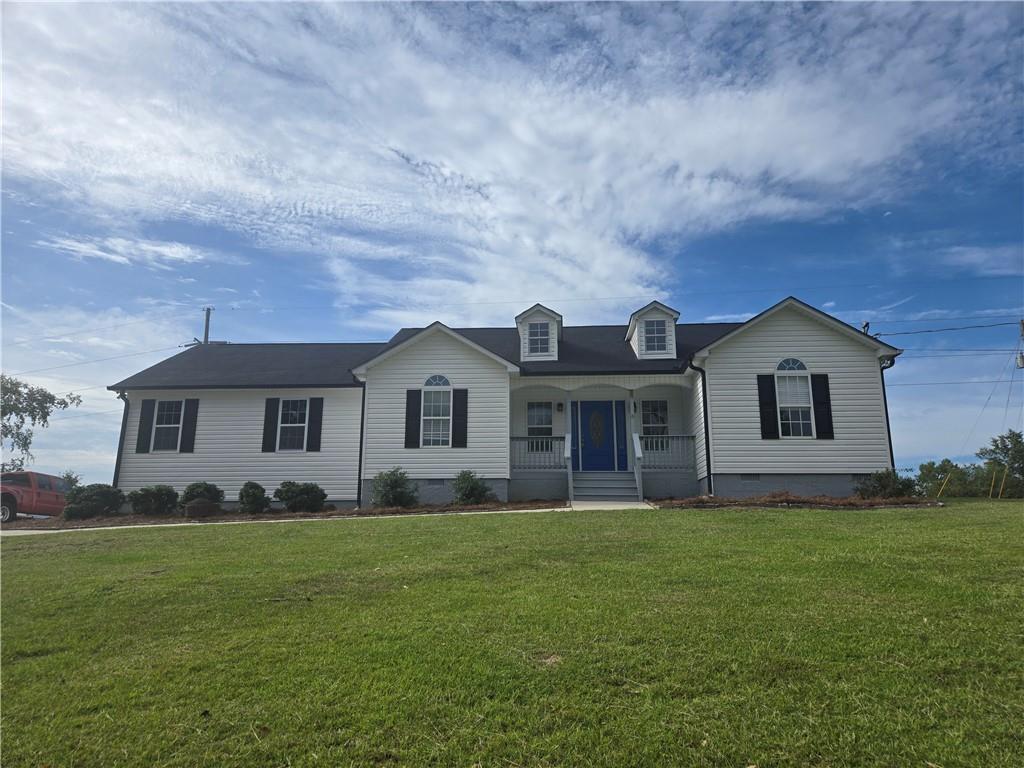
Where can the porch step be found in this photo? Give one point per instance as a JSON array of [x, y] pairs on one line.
[[604, 486]]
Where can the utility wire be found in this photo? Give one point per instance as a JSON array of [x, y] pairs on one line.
[[988, 399], [82, 415], [94, 360], [943, 330], [946, 383]]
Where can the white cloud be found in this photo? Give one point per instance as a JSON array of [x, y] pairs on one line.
[[431, 156], [1005, 260], [128, 251]]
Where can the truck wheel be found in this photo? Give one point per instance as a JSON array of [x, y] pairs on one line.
[[7, 511]]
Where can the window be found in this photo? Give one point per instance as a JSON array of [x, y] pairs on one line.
[[539, 338], [654, 417], [167, 426], [291, 430], [16, 478], [538, 424], [655, 338], [437, 412], [791, 364], [793, 391], [43, 483]]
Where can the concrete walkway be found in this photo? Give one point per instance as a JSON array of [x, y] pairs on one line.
[[577, 506]]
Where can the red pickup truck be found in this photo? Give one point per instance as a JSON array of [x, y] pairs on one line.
[[30, 493]]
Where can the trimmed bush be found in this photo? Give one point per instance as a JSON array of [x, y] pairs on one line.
[[202, 508], [301, 497], [886, 485], [393, 488], [253, 499], [94, 500], [207, 491], [154, 500], [471, 489]]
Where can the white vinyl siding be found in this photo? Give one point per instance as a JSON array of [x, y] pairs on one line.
[[229, 444], [486, 380], [695, 425], [858, 413]]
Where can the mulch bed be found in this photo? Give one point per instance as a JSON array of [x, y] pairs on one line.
[[228, 516], [782, 500]]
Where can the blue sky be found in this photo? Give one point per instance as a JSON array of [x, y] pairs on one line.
[[335, 172]]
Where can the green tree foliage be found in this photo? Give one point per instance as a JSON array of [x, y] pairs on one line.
[[1005, 453], [71, 479], [22, 407]]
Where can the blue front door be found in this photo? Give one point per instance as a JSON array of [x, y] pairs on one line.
[[597, 436]]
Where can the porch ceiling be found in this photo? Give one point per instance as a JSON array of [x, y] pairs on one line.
[[628, 383]]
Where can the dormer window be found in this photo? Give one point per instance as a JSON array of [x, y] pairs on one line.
[[539, 335], [655, 336]]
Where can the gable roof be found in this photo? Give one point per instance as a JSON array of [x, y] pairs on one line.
[[396, 345], [589, 349], [255, 366], [816, 314], [631, 327], [542, 308]]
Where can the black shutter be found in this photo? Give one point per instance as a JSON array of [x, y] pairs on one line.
[[460, 417], [822, 399], [145, 435], [412, 418], [270, 424], [316, 420], [188, 427], [768, 404]]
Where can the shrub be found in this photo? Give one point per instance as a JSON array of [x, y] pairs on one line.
[[301, 497], [84, 501], [471, 489], [154, 500], [886, 484], [202, 508], [253, 499], [393, 488], [207, 491]]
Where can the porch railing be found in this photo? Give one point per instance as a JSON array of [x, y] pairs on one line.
[[537, 453], [668, 451]]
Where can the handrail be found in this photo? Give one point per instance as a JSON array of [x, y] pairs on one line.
[[568, 458], [536, 452], [669, 451], [638, 457]]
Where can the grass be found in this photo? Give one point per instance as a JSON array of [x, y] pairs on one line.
[[653, 637]]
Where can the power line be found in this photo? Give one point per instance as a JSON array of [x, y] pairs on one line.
[[94, 360], [84, 414], [946, 383], [995, 386], [958, 349], [938, 319], [58, 337], [943, 330]]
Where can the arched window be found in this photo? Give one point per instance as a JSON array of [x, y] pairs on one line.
[[793, 395], [437, 381], [436, 418], [791, 364]]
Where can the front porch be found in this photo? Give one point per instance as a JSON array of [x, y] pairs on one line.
[[596, 437]]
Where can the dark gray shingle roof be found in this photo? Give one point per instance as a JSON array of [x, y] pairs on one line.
[[586, 349]]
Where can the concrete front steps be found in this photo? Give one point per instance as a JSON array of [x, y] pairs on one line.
[[604, 486]]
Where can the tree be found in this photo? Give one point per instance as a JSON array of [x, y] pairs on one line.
[[22, 407], [1006, 453], [71, 479]]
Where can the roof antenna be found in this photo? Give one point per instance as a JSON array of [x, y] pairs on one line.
[[206, 325], [865, 327]]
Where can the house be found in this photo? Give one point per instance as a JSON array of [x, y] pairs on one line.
[[792, 399]]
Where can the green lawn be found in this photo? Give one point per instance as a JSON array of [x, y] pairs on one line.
[[653, 637]]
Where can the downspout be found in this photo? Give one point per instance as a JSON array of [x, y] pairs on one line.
[[887, 362], [362, 431], [120, 440], [707, 423]]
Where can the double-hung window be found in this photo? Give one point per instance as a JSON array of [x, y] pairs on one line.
[[437, 412], [167, 425], [539, 425], [291, 431], [654, 424], [793, 392], [539, 338], [655, 336]]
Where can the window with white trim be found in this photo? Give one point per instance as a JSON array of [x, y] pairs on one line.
[[654, 424], [539, 424], [291, 427], [538, 338], [436, 418], [655, 336], [167, 425], [793, 394]]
